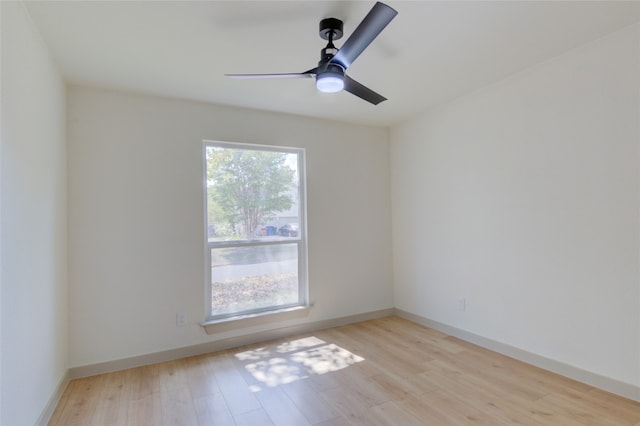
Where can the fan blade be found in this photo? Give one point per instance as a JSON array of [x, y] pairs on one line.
[[307, 74], [363, 92], [372, 25]]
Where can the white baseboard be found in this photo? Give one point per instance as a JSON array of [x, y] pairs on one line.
[[46, 414], [608, 384], [218, 345]]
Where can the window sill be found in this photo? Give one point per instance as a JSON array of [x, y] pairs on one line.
[[244, 321]]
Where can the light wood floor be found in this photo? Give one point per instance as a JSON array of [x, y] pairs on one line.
[[381, 372]]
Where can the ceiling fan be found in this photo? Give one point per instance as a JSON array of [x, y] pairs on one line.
[[330, 73]]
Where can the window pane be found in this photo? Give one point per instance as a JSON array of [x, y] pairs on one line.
[[253, 277], [252, 195]]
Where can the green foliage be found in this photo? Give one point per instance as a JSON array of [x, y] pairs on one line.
[[246, 187]]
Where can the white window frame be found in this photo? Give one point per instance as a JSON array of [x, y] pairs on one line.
[[301, 240]]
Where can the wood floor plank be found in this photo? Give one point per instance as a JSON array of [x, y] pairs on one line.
[[586, 403], [351, 405], [628, 409], [309, 402], [417, 406], [389, 413], [213, 410], [487, 401], [487, 376], [582, 413], [371, 392], [145, 381], [513, 392], [280, 408], [112, 408], [200, 377], [239, 397], [178, 407], [550, 416], [171, 375], [456, 410], [384, 353], [338, 421], [81, 402], [257, 417], [409, 343], [398, 386], [146, 410], [536, 378], [324, 381], [387, 371], [375, 363]]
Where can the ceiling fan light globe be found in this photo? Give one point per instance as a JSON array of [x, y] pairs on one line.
[[330, 82]]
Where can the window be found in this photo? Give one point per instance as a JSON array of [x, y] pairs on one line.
[[255, 229]]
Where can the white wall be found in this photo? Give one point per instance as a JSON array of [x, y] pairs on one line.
[[33, 222], [136, 217], [523, 198]]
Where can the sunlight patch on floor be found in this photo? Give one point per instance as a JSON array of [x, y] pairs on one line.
[[296, 360]]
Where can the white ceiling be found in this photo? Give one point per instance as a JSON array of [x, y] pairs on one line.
[[431, 52]]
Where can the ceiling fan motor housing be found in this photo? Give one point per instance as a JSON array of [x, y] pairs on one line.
[[333, 69]]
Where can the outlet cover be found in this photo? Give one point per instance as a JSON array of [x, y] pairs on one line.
[[181, 319]]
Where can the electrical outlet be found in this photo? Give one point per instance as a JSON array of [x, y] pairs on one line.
[[462, 304], [181, 319]]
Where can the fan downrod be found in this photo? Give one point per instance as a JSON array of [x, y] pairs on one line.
[[331, 29]]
